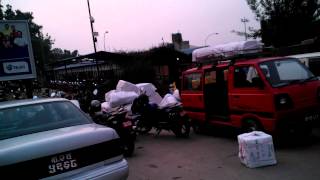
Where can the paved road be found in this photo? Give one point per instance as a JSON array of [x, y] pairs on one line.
[[207, 157]]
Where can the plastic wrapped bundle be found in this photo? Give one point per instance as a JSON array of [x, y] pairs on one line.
[[127, 86], [122, 98], [256, 149], [150, 90], [167, 101]]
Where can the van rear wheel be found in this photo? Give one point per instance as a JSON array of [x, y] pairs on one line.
[[251, 125]]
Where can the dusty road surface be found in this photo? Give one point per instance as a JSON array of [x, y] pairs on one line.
[[208, 157]]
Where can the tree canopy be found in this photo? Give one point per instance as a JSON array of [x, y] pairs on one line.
[[286, 22]]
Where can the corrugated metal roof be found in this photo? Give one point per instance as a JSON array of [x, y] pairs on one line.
[[77, 65]]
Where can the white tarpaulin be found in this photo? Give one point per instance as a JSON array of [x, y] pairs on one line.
[[127, 86], [167, 101], [256, 149], [121, 98], [226, 50]]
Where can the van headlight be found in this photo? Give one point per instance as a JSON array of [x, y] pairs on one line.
[[283, 101]]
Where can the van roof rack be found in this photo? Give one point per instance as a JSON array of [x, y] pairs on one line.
[[237, 56], [232, 52]]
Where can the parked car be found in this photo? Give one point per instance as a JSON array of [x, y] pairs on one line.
[[53, 139], [311, 60]]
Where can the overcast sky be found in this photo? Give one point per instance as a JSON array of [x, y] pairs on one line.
[[137, 24]]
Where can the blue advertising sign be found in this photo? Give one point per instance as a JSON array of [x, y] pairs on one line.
[[16, 56]]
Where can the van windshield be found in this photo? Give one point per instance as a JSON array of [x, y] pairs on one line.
[[283, 72]]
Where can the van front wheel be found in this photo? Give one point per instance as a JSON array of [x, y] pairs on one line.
[[251, 125]]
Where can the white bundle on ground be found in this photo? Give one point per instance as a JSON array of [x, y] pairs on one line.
[[150, 90], [127, 86], [168, 100], [256, 149]]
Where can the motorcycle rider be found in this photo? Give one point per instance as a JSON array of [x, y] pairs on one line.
[[174, 91]]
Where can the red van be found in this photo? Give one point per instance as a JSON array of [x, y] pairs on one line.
[[276, 95]]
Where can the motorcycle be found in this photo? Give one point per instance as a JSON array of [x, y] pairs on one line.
[[171, 118], [118, 120]]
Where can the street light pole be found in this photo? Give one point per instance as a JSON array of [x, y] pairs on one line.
[[93, 37], [205, 41], [244, 21], [104, 40]]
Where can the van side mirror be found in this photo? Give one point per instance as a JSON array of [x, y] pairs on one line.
[[257, 82]]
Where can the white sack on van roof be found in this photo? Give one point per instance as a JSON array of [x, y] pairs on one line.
[[227, 50]]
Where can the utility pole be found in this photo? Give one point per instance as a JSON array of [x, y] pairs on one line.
[[93, 38], [244, 21], [104, 40]]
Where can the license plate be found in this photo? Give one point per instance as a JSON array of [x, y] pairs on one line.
[[311, 118], [127, 124], [62, 163]]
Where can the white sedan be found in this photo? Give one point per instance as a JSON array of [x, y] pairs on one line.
[[53, 139]]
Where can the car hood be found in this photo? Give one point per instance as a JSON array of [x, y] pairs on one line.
[[33, 146]]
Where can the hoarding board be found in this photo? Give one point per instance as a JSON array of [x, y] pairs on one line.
[[16, 56]]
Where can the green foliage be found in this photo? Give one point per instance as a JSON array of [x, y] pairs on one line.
[[1, 12], [58, 54], [286, 22]]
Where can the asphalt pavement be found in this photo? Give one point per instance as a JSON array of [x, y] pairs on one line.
[[208, 157]]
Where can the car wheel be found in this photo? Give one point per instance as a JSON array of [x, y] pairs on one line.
[[129, 148]]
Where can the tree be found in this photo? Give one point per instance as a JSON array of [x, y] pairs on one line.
[[1, 12], [248, 33], [286, 22], [58, 54]]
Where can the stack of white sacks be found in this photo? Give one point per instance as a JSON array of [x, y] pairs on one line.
[[256, 149], [126, 92]]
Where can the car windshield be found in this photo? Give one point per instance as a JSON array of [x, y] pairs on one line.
[[28, 119], [283, 72]]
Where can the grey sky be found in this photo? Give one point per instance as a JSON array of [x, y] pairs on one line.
[[137, 24]]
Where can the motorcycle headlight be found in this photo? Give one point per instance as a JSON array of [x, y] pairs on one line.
[[283, 101]]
